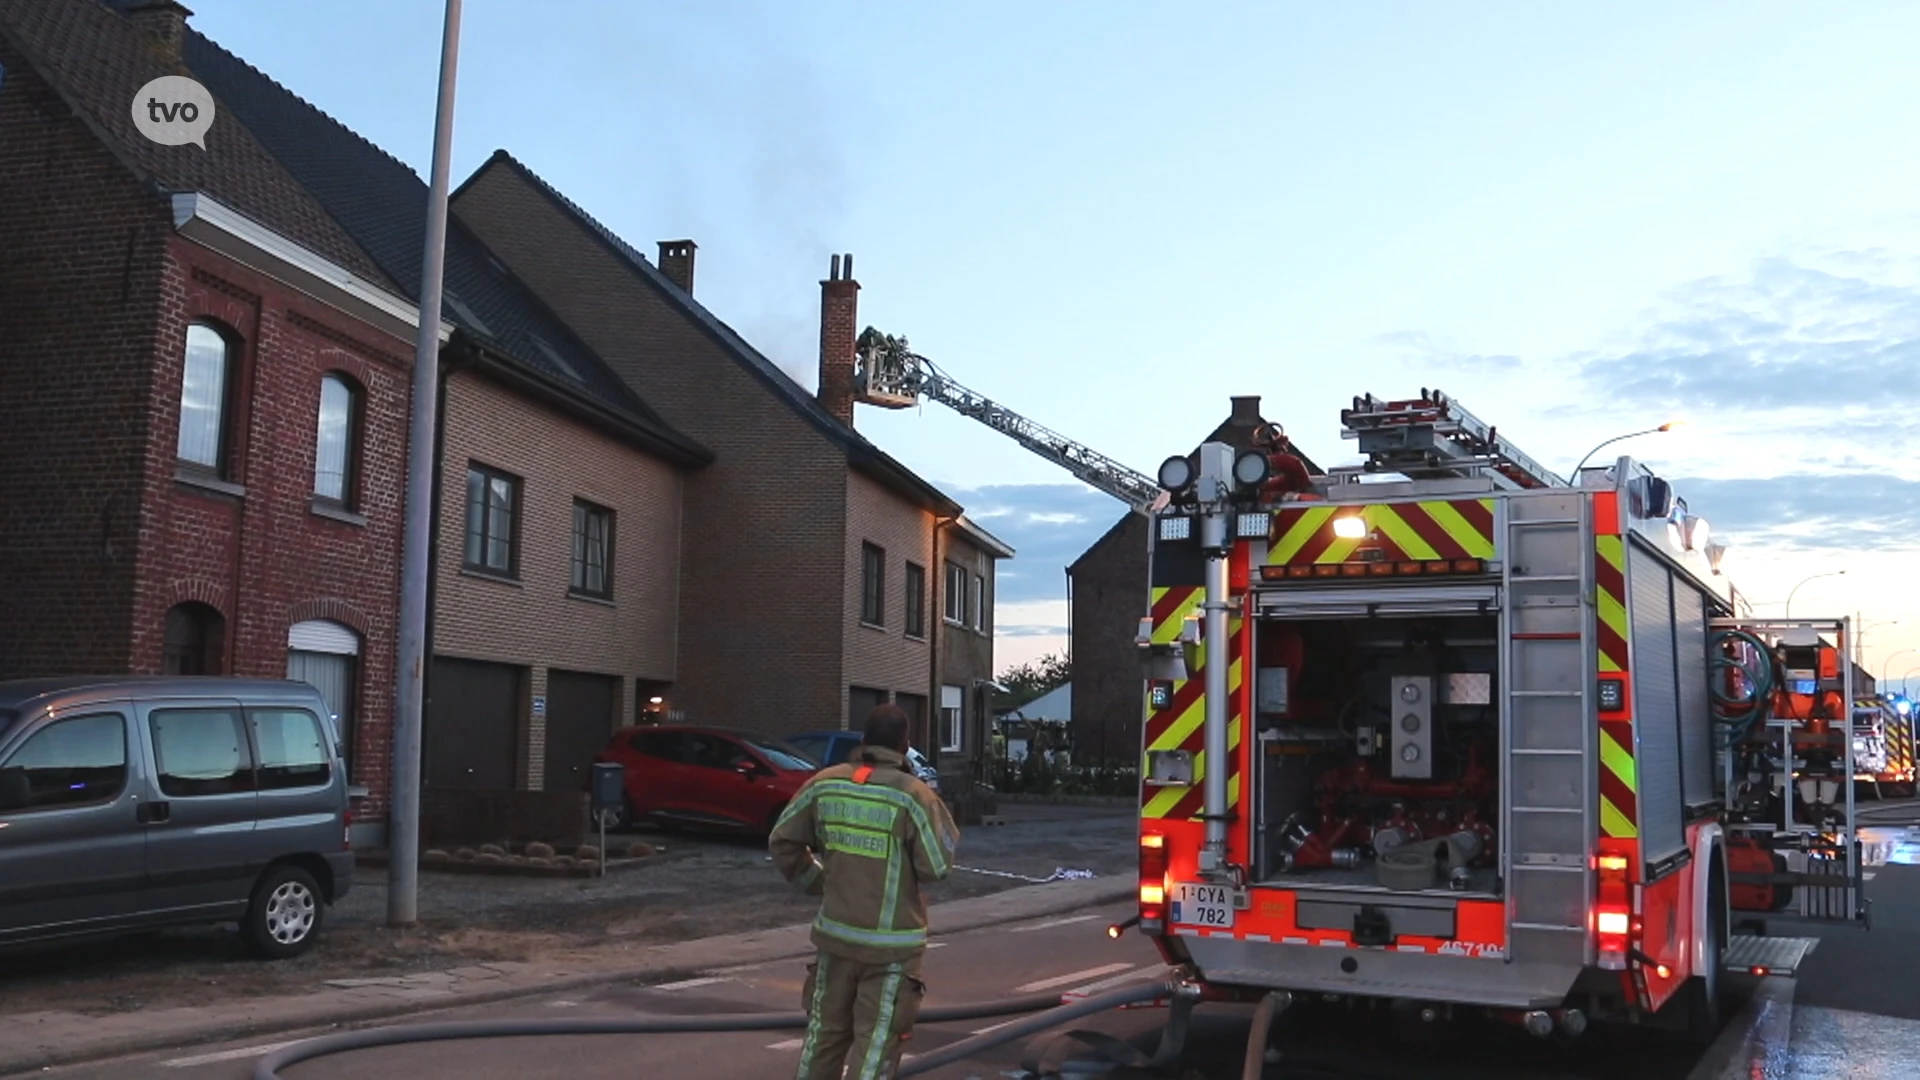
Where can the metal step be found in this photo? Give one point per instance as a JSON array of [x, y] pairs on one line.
[[1752, 955]]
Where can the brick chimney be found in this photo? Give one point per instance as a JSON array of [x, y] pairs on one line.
[[839, 315], [164, 19], [1246, 411], [676, 261]]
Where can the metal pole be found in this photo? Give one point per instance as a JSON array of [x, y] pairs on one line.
[[1213, 541], [403, 862]]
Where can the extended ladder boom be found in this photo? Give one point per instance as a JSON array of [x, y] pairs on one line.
[[1432, 435], [892, 376]]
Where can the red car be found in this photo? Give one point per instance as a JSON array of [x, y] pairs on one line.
[[708, 777]]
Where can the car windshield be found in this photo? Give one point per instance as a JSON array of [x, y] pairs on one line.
[[783, 756]]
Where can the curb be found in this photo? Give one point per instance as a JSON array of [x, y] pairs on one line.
[[1011, 905], [1755, 1038]]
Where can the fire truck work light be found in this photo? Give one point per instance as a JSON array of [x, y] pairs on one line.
[[1252, 525], [1693, 533], [1176, 528], [1176, 473], [1350, 527], [1250, 468]]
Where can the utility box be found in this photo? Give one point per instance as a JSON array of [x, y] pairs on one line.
[[609, 788]]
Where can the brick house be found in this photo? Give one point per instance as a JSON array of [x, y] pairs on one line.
[[1109, 589], [811, 598], [203, 395], [556, 581], [962, 740]]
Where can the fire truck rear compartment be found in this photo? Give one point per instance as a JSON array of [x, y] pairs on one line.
[[1377, 743]]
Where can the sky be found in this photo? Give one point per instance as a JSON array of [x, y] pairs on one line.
[[1580, 220]]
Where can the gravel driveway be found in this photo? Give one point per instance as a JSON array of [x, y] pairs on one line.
[[712, 885]]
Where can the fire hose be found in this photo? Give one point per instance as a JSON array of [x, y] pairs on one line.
[[268, 1068]]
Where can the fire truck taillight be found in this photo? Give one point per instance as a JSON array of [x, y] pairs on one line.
[[1153, 877], [1613, 913]]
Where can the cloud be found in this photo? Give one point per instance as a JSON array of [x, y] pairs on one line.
[[1806, 511], [1027, 631], [1047, 525], [1420, 348], [1789, 336]]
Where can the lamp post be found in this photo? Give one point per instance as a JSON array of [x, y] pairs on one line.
[[1911, 672], [1860, 637], [1668, 426], [1803, 581], [1886, 666]]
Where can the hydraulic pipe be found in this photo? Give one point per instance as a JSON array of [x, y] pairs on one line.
[[1213, 541], [268, 1068]]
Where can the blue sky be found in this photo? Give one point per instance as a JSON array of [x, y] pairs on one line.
[[1577, 219]]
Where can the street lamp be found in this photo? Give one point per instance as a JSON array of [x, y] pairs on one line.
[[1803, 581], [1886, 666], [1668, 426], [1903, 679]]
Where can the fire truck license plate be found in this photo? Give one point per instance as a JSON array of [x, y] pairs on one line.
[[1202, 905]]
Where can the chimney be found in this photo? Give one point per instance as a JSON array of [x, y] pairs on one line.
[[676, 261], [1246, 411], [164, 19], [839, 313]]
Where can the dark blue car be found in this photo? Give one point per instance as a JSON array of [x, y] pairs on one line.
[[834, 747]]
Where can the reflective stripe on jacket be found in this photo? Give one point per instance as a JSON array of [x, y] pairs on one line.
[[864, 835]]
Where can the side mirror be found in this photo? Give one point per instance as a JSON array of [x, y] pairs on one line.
[[15, 792]]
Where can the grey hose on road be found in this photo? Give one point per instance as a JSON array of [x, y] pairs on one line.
[[268, 1068]]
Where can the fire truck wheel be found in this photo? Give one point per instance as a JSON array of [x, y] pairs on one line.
[[1702, 994]]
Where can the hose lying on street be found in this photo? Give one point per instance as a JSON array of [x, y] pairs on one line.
[[268, 1068]]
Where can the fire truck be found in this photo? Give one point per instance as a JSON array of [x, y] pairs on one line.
[[1883, 745], [1447, 729]]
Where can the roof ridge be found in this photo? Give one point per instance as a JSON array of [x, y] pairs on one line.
[[317, 110]]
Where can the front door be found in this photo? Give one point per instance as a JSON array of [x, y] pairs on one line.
[[201, 810], [580, 720], [473, 715], [71, 849]]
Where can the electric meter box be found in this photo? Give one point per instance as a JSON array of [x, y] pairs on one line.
[[609, 786]]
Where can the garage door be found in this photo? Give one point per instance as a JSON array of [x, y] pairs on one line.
[[862, 700], [473, 712], [580, 719]]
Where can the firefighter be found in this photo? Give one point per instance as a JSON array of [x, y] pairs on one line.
[[864, 835], [1287, 475]]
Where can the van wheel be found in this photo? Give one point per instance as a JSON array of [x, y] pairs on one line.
[[285, 914]]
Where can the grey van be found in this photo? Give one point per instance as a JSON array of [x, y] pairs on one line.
[[134, 802]]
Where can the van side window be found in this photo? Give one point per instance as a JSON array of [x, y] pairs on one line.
[[79, 760], [293, 752], [201, 752]]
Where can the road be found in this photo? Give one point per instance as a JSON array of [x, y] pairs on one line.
[[1064, 954]]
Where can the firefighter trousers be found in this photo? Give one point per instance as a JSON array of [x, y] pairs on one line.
[[859, 1017]]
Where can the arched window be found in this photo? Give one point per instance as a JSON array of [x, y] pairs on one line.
[[205, 378], [195, 642], [335, 459]]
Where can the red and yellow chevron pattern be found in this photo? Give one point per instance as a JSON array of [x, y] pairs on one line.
[[1179, 726], [1398, 532], [1619, 783]]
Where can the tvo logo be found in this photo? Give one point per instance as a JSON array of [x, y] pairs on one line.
[[174, 110]]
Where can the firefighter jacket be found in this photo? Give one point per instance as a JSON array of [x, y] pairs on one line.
[[864, 835]]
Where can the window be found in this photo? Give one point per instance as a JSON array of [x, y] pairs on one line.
[[980, 603], [873, 585], [200, 752], [916, 601], [204, 383], [493, 508], [80, 760], [334, 460], [293, 749], [656, 744], [782, 756], [592, 549], [952, 719], [195, 641], [956, 600]]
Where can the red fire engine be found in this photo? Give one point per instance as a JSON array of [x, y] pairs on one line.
[[1446, 728]]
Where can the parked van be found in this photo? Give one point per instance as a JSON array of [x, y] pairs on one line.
[[128, 803]]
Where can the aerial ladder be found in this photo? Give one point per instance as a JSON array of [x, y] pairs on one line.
[[1433, 436], [889, 374]]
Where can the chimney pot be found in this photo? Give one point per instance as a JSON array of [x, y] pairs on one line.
[[1246, 411], [839, 315], [676, 261], [164, 19]]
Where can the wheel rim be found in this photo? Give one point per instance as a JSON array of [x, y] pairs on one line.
[[290, 913]]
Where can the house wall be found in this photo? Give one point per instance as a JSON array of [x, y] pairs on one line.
[[82, 257], [883, 657], [966, 652], [531, 620], [1110, 594], [764, 582]]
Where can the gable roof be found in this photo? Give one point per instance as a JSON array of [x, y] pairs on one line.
[[382, 204], [96, 61], [861, 454]]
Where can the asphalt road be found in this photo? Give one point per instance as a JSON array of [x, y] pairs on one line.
[[1059, 954]]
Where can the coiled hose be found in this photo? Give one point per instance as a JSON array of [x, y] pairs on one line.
[[1738, 715], [268, 1068]]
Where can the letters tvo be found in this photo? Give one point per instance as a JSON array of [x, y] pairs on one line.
[[162, 113]]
